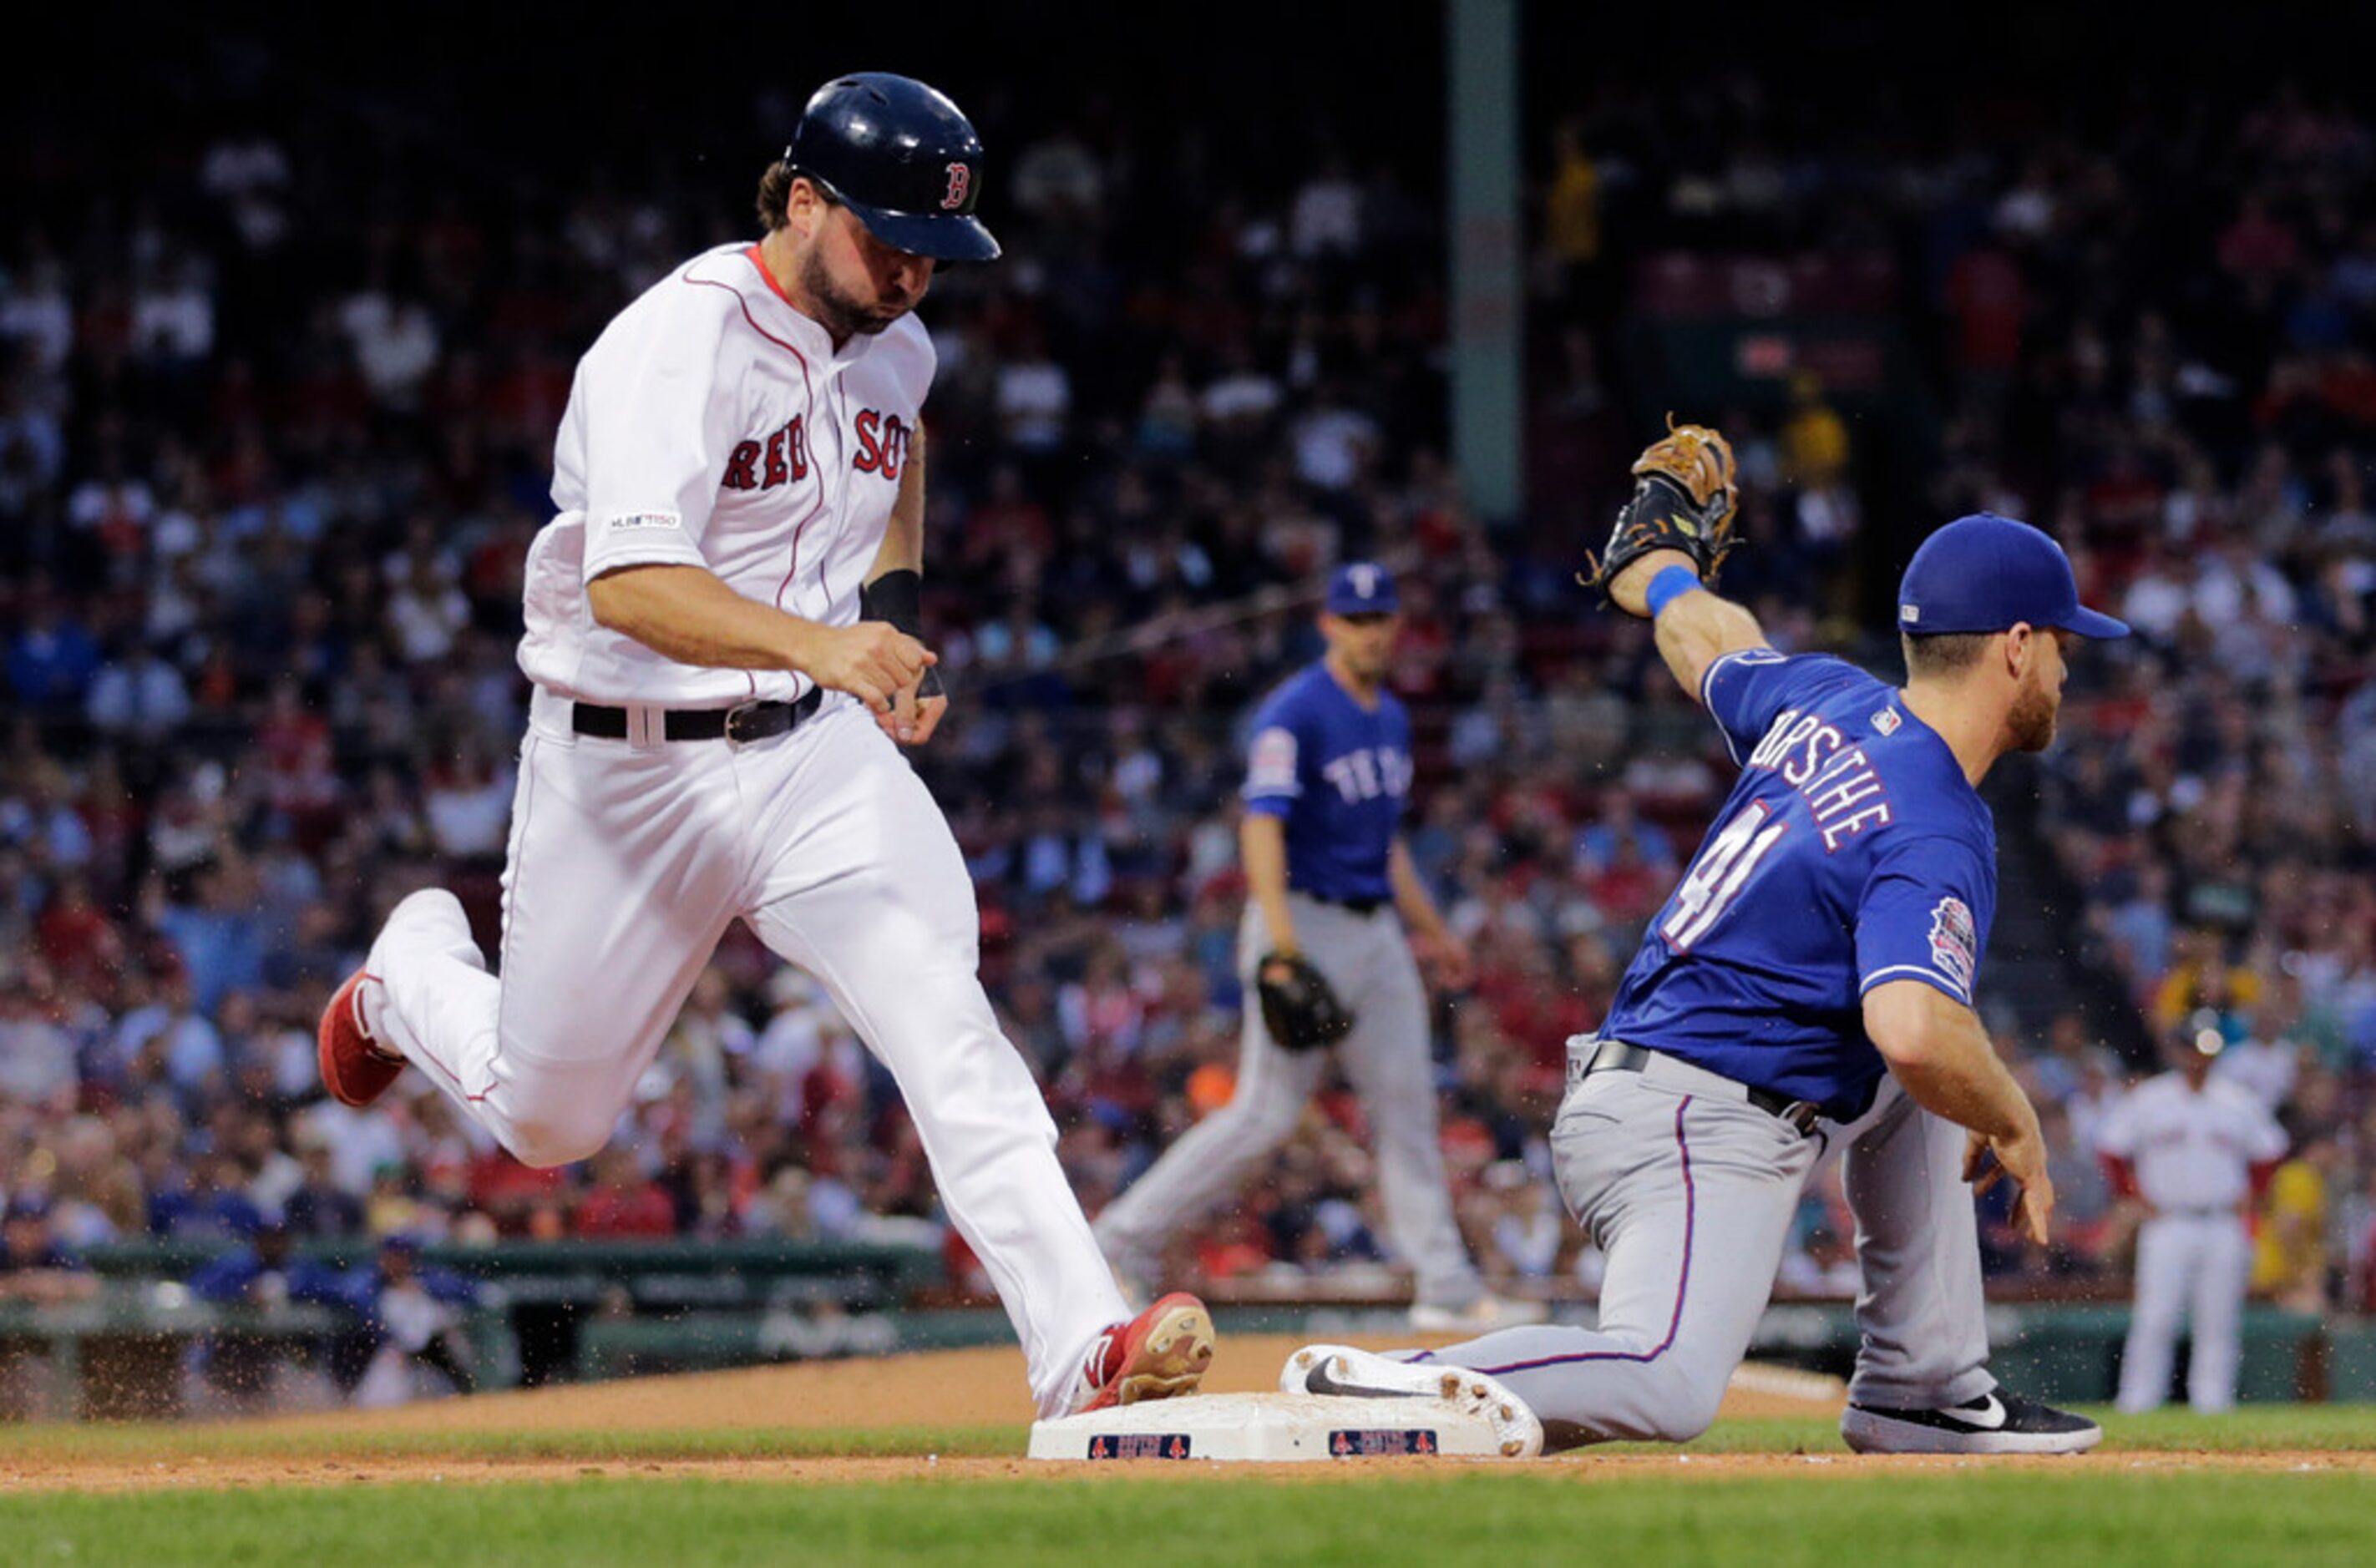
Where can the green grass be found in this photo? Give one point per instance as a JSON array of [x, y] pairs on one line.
[[2331, 1427], [2091, 1516], [2099, 1512]]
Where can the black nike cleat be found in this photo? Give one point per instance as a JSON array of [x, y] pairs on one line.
[[1997, 1422]]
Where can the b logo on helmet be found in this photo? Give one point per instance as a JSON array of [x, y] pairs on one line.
[[960, 181]]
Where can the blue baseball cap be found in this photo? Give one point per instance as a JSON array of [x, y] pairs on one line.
[[1985, 574], [1362, 588]]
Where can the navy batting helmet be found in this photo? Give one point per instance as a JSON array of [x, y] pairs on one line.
[[900, 155]]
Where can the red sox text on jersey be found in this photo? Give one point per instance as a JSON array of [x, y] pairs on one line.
[[782, 456]]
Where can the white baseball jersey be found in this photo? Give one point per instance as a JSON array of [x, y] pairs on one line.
[[732, 436], [714, 426], [2190, 1150], [2193, 1153]]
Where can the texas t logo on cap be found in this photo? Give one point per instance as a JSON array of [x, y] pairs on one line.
[[1362, 588]]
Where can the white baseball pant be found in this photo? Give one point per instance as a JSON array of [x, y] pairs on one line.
[[2193, 1267], [627, 862]]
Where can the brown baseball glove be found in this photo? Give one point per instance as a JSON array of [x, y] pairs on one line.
[[1684, 496]]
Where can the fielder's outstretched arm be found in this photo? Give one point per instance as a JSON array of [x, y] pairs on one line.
[[1695, 630]]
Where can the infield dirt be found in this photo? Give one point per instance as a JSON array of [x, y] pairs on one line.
[[941, 1392]]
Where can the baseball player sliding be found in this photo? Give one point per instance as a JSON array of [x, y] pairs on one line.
[[722, 632], [2192, 1148], [1326, 877], [1809, 983]]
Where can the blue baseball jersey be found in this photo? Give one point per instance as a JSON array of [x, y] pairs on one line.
[[1851, 852], [1338, 773]]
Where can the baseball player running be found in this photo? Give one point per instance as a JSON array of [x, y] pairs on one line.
[[2194, 1148], [1326, 876], [722, 631], [1809, 983]]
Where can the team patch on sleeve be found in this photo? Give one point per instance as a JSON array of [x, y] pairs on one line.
[[1270, 770], [1955, 942]]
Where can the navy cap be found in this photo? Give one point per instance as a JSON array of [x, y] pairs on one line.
[[900, 155], [1362, 588], [1985, 574]]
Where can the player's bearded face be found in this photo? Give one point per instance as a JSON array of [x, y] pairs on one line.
[[2034, 711], [858, 284]]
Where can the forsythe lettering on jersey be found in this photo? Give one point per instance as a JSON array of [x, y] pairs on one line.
[[1338, 773], [1851, 852]]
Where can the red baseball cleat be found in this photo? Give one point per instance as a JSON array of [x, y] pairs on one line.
[[1159, 1354], [356, 1071]]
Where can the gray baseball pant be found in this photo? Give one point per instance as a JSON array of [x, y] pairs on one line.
[[1368, 962], [1691, 1191]]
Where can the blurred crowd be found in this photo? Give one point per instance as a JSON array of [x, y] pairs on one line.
[[270, 458]]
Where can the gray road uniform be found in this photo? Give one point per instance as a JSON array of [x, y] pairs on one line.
[[1851, 852], [1338, 774]]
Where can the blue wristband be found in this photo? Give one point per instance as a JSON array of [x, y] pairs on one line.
[[1669, 585]]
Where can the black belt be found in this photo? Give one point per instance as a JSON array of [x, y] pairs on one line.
[[747, 721], [1616, 1056], [1358, 906]]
